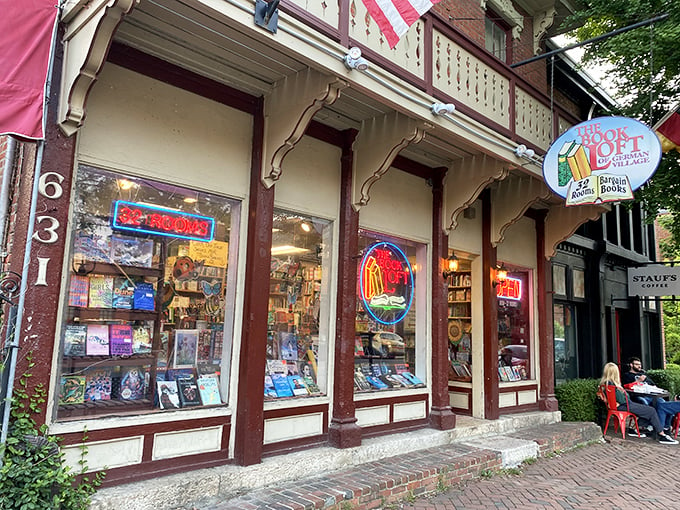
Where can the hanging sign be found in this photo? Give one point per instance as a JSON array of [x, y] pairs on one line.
[[656, 280], [386, 283], [150, 219], [601, 160], [510, 288]]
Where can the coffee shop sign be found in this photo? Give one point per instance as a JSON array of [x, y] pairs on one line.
[[657, 280]]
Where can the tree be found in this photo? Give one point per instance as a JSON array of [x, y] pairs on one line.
[[646, 72]]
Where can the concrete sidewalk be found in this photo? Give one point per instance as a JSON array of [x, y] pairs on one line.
[[381, 471]]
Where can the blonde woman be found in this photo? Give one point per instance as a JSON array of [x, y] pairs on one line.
[[612, 377]]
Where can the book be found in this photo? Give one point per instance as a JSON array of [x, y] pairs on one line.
[[204, 345], [188, 392], [123, 293], [572, 162], [297, 385], [141, 340], [168, 397], [79, 290], [144, 297], [186, 345], [404, 382], [97, 340], [120, 340], [288, 346], [277, 366], [375, 382], [415, 380], [269, 390], [311, 385], [209, 390], [132, 384], [101, 292], [390, 381], [98, 384], [72, 389], [75, 336], [515, 374], [599, 188], [208, 369], [132, 251], [360, 381], [281, 386]]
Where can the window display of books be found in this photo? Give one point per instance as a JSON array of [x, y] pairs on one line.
[[384, 375], [186, 388], [287, 378]]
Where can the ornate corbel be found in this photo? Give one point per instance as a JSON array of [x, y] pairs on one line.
[[542, 22], [511, 197], [561, 222]]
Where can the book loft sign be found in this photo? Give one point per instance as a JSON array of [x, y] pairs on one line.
[[601, 160]]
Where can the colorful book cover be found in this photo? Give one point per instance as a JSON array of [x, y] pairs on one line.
[[101, 243], [168, 397], [360, 381], [144, 297], [204, 345], [281, 386], [502, 374], [120, 340], [98, 384], [208, 388], [101, 292], [276, 366], [79, 289], [188, 392], [402, 380], [132, 384], [269, 390], [75, 336], [175, 374], [186, 347], [97, 340], [72, 389], [415, 380], [132, 251], [375, 382], [141, 340], [288, 346], [297, 385], [311, 385], [123, 292]]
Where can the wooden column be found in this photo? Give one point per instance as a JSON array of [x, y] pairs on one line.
[[343, 431], [250, 411], [546, 347], [490, 305], [441, 415]]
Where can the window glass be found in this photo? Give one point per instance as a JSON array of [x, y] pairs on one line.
[[298, 320], [460, 322], [149, 301], [564, 331], [495, 38], [514, 331], [387, 309]]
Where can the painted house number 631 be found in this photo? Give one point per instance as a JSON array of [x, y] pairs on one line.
[[46, 226]]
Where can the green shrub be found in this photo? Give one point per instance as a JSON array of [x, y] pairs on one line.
[[668, 379], [578, 400]]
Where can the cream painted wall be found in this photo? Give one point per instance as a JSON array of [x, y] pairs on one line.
[[467, 236], [143, 126], [400, 204], [310, 179], [519, 245]]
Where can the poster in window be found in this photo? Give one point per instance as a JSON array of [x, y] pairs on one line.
[[186, 348], [578, 276], [559, 274]]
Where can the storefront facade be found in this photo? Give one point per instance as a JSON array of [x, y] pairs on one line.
[[237, 264]]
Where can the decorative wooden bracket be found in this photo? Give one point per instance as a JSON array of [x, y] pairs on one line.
[[288, 110], [90, 27], [376, 146], [511, 197], [561, 222], [465, 181]]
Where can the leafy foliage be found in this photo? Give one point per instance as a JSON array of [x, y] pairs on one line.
[[33, 475], [578, 400]]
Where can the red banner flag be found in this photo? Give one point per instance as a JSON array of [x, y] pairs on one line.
[[26, 29], [668, 131], [394, 17]]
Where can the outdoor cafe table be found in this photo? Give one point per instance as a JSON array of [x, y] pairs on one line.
[[662, 394]]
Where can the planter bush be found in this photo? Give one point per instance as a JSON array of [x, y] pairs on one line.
[[578, 400]]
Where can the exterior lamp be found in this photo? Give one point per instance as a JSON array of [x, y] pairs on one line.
[[354, 60], [501, 275], [451, 265]]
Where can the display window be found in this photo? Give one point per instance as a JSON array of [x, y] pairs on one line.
[[565, 346], [386, 325], [460, 322], [298, 319], [149, 300], [514, 330]]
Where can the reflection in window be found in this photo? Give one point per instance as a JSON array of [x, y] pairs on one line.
[[495, 38], [514, 332], [564, 331]]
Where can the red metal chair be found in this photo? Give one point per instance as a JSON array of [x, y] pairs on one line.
[[608, 391], [675, 425]]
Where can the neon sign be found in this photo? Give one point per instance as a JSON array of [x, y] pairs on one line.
[[511, 288], [161, 221], [386, 283]]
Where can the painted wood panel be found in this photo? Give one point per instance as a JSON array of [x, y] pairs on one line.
[[186, 442], [293, 427], [99, 456]]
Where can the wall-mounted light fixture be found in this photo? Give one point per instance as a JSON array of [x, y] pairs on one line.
[[305, 226], [451, 265], [500, 274], [442, 109], [354, 60], [521, 151]]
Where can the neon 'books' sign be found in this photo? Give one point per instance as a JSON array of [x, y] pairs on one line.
[[601, 160], [511, 288], [156, 220], [386, 283]]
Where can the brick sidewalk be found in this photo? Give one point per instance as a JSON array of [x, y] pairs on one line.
[[390, 482]]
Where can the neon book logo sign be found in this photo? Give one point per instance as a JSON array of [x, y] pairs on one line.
[[386, 283], [511, 288], [156, 220]]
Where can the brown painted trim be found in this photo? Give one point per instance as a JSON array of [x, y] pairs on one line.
[[325, 133], [344, 431], [402, 399], [319, 25], [490, 307], [294, 445], [163, 71], [512, 389], [414, 168], [519, 409], [250, 412], [285, 412], [441, 416]]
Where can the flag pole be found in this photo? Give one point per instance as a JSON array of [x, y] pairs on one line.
[[13, 345]]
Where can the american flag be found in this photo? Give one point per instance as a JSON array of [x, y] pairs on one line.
[[394, 17]]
